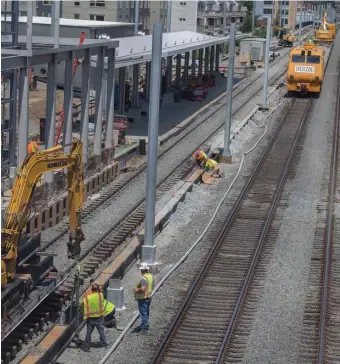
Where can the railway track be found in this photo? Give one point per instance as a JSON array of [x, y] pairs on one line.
[[48, 309], [321, 335], [204, 327]]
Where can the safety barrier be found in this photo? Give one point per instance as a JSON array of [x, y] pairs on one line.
[[58, 209]]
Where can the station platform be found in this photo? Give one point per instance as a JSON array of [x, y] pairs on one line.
[[171, 113]]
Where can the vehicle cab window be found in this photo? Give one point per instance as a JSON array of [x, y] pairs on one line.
[[313, 59], [298, 58]]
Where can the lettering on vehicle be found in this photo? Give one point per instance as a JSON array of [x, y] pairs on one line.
[[56, 164], [305, 69]]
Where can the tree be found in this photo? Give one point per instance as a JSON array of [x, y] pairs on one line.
[[247, 24]]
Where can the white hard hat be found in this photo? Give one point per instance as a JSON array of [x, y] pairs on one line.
[[144, 266]]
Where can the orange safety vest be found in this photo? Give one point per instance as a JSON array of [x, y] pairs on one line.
[[32, 147], [93, 305]]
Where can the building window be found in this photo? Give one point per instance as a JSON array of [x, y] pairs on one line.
[[268, 2], [76, 3], [23, 13], [98, 3], [286, 21], [182, 19], [47, 2], [76, 16], [183, 3], [267, 11], [97, 17]]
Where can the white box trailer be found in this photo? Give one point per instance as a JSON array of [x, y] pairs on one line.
[[252, 50]]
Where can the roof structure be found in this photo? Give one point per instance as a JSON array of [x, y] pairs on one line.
[[67, 22]]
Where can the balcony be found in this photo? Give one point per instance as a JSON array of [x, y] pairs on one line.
[[209, 14]]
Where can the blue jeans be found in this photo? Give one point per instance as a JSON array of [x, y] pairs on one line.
[[144, 307], [97, 323]]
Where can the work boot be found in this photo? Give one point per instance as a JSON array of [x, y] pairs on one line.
[[85, 347], [136, 329]]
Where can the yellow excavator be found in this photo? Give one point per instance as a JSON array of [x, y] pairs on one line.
[[286, 36], [327, 31], [19, 208]]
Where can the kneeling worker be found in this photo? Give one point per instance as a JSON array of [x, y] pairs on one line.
[[212, 167], [109, 314], [200, 156]]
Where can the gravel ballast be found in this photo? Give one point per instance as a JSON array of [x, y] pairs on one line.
[[105, 217], [184, 227], [276, 331]]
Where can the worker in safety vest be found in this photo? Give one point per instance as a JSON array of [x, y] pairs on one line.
[[109, 314], [212, 167], [200, 156], [94, 314], [143, 296], [32, 146]]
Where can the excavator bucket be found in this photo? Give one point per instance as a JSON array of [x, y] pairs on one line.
[[207, 179]]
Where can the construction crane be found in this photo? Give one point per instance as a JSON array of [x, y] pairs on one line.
[[20, 207], [61, 118]]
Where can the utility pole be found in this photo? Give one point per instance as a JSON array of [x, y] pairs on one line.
[[226, 155], [300, 23], [266, 70], [149, 248], [169, 15], [253, 19]]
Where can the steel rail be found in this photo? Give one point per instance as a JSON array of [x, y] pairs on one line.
[[329, 233], [219, 241]]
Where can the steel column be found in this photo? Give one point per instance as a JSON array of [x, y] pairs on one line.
[[55, 20], [253, 19], [147, 80], [169, 73], [169, 16], [212, 54], [266, 70], [178, 70], [68, 105], [206, 60], [193, 63], [29, 30], [149, 248], [217, 58], [231, 54], [110, 114], [300, 24], [135, 84], [23, 115], [85, 108], [186, 68], [13, 118], [97, 146], [136, 17], [200, 63], [121, 90]]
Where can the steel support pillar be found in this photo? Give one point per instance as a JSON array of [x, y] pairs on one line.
[[115, 294], [193, 63], [217, 58], [200, 63], [85, 105], [23, 115], [178, 70], [121, 90], [68, 105], [50, 122], [135, 84], [136, 17], [206, 60], [186, 68], [169, 16], [169, 73], [110, 113], [97, 145], [147, 80], [13, 118], [212, 56], [266, 69], [29, 29], [300, 25], [149, 248], [226, 155]]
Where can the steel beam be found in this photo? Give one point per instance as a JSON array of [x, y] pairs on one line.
[[212, 56], [23, 115], [121, 90], [68, 105], [85, 93], [186, 68], [135, 85], [169, 74], [178, 70], [193, 63], [206, 60], [98, 77], [110, 99]]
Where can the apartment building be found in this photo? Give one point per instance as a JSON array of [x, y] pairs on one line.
[[183, 16], [214, 17]]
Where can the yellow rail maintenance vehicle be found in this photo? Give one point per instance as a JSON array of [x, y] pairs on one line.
[[326, 33], [306, 69]]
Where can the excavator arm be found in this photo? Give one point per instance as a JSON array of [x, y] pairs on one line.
[[19, 209]]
